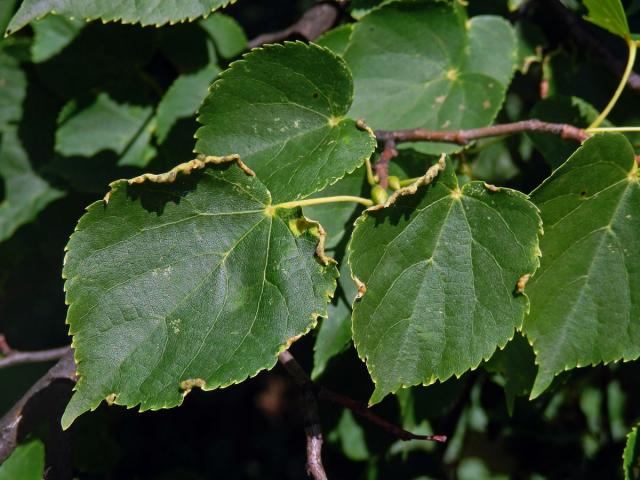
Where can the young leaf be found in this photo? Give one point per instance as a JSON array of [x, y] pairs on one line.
[[25, 463], [282, 109], [440, 271], [144, 12], [631, 456], [415, 64], [187, 279], [26, 194], [585, 298], [608, 14]]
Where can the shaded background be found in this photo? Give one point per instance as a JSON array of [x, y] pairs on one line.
[[255, 430]]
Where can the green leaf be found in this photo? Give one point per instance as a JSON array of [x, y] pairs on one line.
[[441, 269], [631, 456], [26, 194], [515, 367], [337, 218], [183, 99], [351, 437], [585, 298], [337, 39], [226, 33], [51, 35], [25, 463], [413, 66], [493, 48], [608, 14], [282, 109], [144, 12], [13, 87], [494, 163], [103, 125], [334, 336], [187, 279]]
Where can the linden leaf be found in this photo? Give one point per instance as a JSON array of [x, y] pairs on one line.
[[187, 279], [416, 64], [585, 298], [282, 109], [144, 12], [440, 271]]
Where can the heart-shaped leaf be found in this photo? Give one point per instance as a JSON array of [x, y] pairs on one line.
[[585, 298], [190, 278], [282, 109], [441, 273], [416, 64]]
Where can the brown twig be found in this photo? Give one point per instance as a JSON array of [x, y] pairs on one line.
[[36, 404], [463, 137], [15, 357], [313, 23], [576, 27], [302, 379], [382, 165], [312, 426]]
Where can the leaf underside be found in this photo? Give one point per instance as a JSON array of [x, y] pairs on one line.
[[440, 269], [190, 283]]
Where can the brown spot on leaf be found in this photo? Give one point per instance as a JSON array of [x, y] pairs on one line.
[[362, 288], [187, 385], [491, 188], [486, 104], [111, 399], [522, 282]]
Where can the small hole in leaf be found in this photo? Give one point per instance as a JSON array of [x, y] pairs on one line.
[[315, 95], [583, 193]]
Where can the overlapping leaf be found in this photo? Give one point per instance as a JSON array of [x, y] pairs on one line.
[[187, 279], [107, 125], [282, 108], [440, 270], [51, 35], [144, 12], [585, 298], [26, 194], [415, 64]]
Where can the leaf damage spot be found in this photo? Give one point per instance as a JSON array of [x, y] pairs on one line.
[[111, 399], [300, 225], [486, 104], [186, 168], [187, 385], [452, 74], [362, 288], [491, 188], [522, 282]]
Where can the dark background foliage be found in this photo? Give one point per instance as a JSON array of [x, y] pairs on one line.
[[255, 430]]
